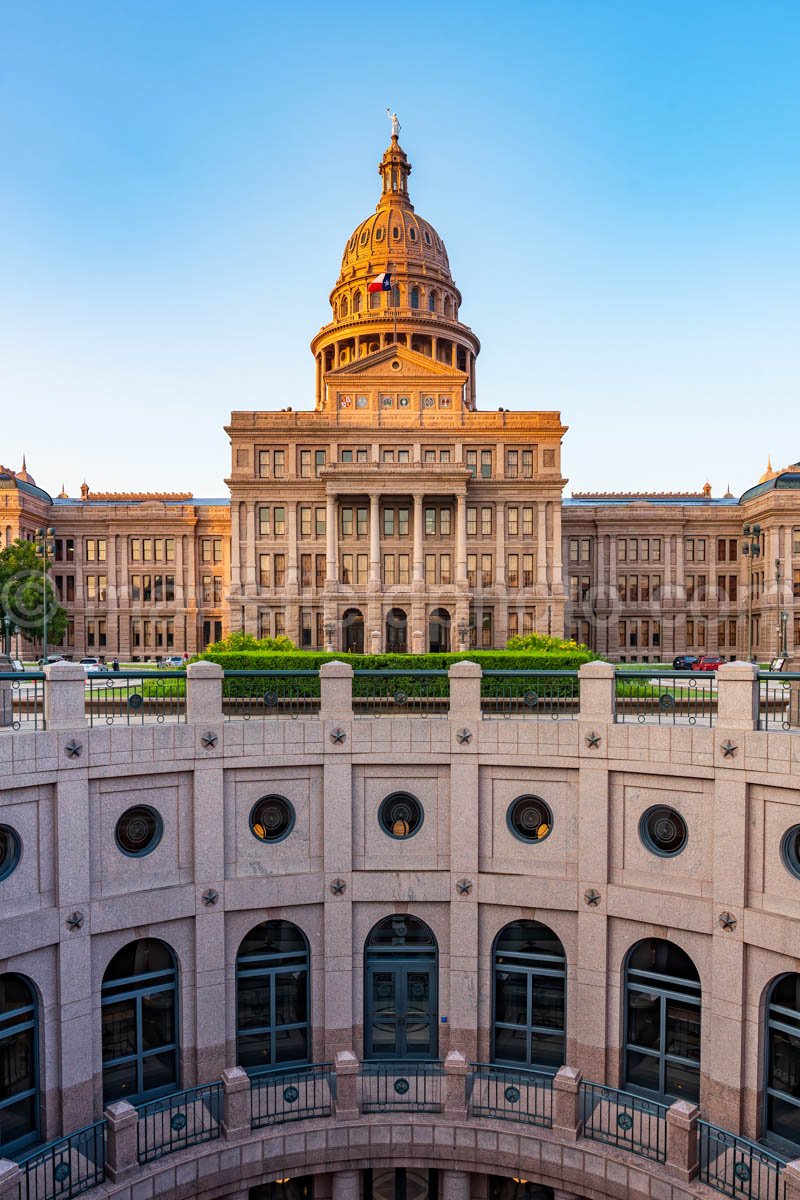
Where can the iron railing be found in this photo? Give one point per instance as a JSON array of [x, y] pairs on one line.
[[542, 695], [65, 1167], [135, 698], [401, 1086], [248, 695], [405, 693], [510, 1094], [738, 1167], [179, 1120], [292, 1095], [622, 1119], [778, 700], [22, 700], [665, 697]]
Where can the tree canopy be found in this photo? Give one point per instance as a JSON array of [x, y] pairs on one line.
[[25, 596]]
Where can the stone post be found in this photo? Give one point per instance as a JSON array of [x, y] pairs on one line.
[[203, 693], [346, 1185], [346, 1065], [122, 1152], [791, 1179], [455, 1084], [65, 696], [567, 1103], [9, 1179], [597, 692], [682, 1160], [737, 696], [235, 1104], [455, 1185], [336, 691], [465, 692]]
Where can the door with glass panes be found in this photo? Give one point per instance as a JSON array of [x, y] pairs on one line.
[[401, 1009]]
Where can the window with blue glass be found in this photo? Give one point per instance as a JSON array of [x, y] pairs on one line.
[[662, 1022], [783, 1062], [529, 996], [272, 997], [400, 990], [140, 1023], [19, 1065]]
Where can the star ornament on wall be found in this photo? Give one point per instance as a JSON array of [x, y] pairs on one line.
[[593, 740], [75, 920], [338, 887], [73, 749], [463, 737], [592, 898], [338, 737], [209, 740], [210, 897], [729, 749], [464, 887], [727, 921]]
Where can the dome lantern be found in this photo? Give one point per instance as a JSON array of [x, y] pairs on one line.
[[394, 170]]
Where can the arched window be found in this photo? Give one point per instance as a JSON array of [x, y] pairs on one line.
[[19, 1064], [783, 1060], [414, 297], [375, 299], [529, 984], [400, 990], [344, 308], [139, 1023], [432, 301], [272, 997], [448, 307], [662, 1021], [357, 302]]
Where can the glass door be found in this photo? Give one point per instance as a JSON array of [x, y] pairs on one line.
[[401, 1010]]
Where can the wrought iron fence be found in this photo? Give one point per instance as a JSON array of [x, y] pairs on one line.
[[778, 700], [405, 693], [21, 700], [66, 1167], [665, 697], [541, 695], [390, 1086], [621, 1119], [738, 1167], [292, 1095], [177, 1121], [135, 698], [510, 1094], [248, 695]]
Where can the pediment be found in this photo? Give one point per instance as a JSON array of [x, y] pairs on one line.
[[379, 366]]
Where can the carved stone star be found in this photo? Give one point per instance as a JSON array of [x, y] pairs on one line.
[[338, 737], [464, 737], [727, 921], [73, 749], [464, 887], [729, 749], [338, 887], [210, 897], [209, 740], [75, 920], [592, 898], [593, 740]]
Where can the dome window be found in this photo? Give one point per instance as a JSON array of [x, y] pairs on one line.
[[364, 237], [415, 297], [427, 237], [357, 302], [378, 235], [412, 233], [432, 302], [353, 242], [396, 233]]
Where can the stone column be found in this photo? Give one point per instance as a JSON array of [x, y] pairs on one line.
[[737, 696], [236, 580], [122, 1160], [455, 1185], [250, 549], [455, 1084], [417, 576], [500, 545], [331, 551], [682, 1160], [461, 539], [235, 1104], [10, 1177], [65, 696], [541, 546], [204, 693], [346, 1066], [567, 1103], [346, 1185], [338, 974], [374, 540], [336, 691]]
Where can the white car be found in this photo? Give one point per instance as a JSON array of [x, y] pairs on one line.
[[172, 662], [92, 665]]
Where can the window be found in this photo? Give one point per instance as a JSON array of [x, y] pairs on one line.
[[320, 568], [414, 298], [486, 631], [19, 1078], [362, 454], [305, 570], [783, 1040], [402, 522], [362, 568], [347, 568], [403, 569], [527, 570], [486, 464], [264, 571], [472, 522], [279, 569], [512, 570], [403, 456], [512, 521], [305, 521], [319, 461], [400, 815], [472, 570], [796, 541], [388, 570], [305, 464], [486, 570], [622, 550], [263, 521], [263, 464], [139, 1023], [430, 521], [429, 456], [445, 576], [347, 522], [662, 1022], [444, 522], [430, 568], [272, 997], [512, 464], [527, 464], [472, 462], [388, 522], [528, 1000], [138, 831], [320, 521], [362, 522], [486, 521], [527, 521]]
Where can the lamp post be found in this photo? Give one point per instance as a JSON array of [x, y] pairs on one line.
[[463, 634], [330, 630], [43, 546], [7, 622], [751, 548]]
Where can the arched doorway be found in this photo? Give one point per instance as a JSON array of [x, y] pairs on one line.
[[662, 1022], [272, 997], [139, 1023], [529, 985], [19, 1065], [396, 631], [400, 990], [782, 1118], [353, 631], [439, 631]]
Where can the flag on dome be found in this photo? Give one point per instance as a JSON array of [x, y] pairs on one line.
[[381, 283]]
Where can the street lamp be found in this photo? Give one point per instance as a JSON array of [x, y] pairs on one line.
[[8, 623], [43, 546], [330, 630], [463, 634], [751, 548]]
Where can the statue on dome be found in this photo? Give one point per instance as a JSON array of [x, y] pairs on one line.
[[396, 126]]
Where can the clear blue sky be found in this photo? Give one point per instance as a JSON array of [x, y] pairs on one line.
[[618, 185]]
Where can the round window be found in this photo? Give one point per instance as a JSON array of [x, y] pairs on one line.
[[529, 818], [663, 830], [10, 850], [138, 831], [401, 815], [790, 850], [272, 819]]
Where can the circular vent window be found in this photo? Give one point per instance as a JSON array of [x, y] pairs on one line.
[[530, 819], [272, 819], [138, 831], [400, 815], [663, 830]]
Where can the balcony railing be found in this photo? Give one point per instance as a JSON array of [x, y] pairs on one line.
[[621, 1119], [510, 1094], [257, 694], [174, 1122], [665, 698], [130, 698], [292, 1095], [22, 700], [66, 1167], [778, 700], [401, 693], [738, 1167], [538, 695], [404, 1086]]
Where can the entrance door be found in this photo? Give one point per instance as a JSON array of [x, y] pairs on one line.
[[401, 1010], [396, 631], [439, 632], [353, 631]]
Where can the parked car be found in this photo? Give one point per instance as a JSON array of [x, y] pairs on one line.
[[91, 666], [172, 662], [709, 662], [51, 658], [684, 662]]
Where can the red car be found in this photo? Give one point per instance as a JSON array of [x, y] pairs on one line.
[[708, 662]]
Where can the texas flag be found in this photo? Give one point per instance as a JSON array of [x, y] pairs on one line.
[[381, 283]]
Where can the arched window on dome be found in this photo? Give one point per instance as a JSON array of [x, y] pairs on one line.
[[414, 298], [344, 307], [357, 302], [432, 301], [448, 307], [375, 299]]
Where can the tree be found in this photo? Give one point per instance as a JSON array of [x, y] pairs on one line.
[[24, 598], [238, 641]]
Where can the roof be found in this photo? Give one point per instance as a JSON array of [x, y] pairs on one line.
[[783, 481], [678, 499], [190, 502], [31, 489]]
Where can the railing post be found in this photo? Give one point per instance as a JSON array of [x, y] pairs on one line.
[[465, 691], [9, 1179], [203, 693], [336, 691], [596, 683], [455, 1084], [346, 1065], [567, 1103], [737, 696], [682, 1160], [122, 1151], [791, 1178], [65, 696], [235, 1104]]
